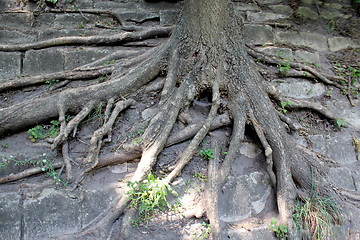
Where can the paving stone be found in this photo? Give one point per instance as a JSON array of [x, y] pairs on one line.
[[263, 16], [10, 216], [116, 5], [246, 7], [312, 40], [254, 234], [243, 196], [95, 202], [258, 34], [284, 9], [16, 20], [10, 64], [330, 15], [6, 4], [338, 147], [160, 5], [7, 37], [84, 4], [45, 20], [339, 43], [81, 56], [345, 111], [333, 5], [72, 20], [341, 177], [285, 53], [43, 61], [169, 17], [53, 212], [302, 89], [269, 1], [53, 33], [307, 57], [138, 17], [307, 13]]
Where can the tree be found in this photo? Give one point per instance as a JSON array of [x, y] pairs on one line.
[[205, 53]]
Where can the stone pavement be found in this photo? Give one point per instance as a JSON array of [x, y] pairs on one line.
[[41, 214]]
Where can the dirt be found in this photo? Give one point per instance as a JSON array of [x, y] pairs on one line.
[[129, 127]]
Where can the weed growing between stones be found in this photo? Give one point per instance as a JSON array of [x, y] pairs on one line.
[[148, 197], [205, 54]]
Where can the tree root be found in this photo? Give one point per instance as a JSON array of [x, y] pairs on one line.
[[67, 75], [328, 79], [300, 104], [96, 140], [118, 38], [27, 173]]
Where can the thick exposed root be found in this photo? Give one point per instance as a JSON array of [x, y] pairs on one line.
[[190, 150], [27, 173], [119, 38], [28, 113], [328, 79], [66, 129], [96, 140], [67, 75], [300, 104], [67, 161]]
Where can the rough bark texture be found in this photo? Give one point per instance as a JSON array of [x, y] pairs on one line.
[[204, 53]]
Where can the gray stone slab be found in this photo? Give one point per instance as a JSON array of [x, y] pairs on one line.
[[339, 43], [169, 17], [137, 17], [72, 20], [95, 202], [264, 16], [160, 5], [269, 1], [51, 213], [302, 89], [254, 234], [124, 6], [78, 57], [53, 33], [244, 196], [258, 34], [43, 61], [307, 57], [341, 177], [246, 7], [283, 9], [308, 40], [6, 4], [10, 216], [10, 64], [44, 20], [8, 37], [338, 147], [16, 20], [285, 53], [307, 13], [343, 110]]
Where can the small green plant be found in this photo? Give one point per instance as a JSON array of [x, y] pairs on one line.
[[96, 115], [82, 25], [148, 197], [280, 230], [52, 82], [3, 163], [109, 62], [138, 140], [316, 216], [205, 232], [341, 122], [283, 66], [4, 145], [207, 154], [54, 129], [283, 105], [199, 175], [46, 166], [37, 132], [51, 1]]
